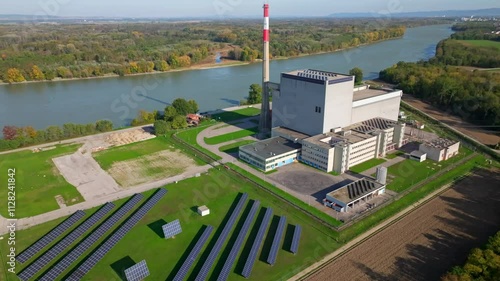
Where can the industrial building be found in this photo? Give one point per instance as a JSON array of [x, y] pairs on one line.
[[270, 154], [351, 195], [440, 149]]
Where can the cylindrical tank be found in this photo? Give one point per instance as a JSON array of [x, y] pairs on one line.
[[382, 175]]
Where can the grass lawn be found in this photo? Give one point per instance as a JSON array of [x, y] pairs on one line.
[[234, 147], [229, 116], [37, 181], [394, 154], [367, 165], [189, 136], [232, 136], [410, 172], [481, 43], [219, 190]]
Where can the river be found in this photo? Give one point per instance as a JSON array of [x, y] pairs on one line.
[[120, 98]]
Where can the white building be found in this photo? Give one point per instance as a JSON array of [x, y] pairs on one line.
[[353, 194], [270, 154], [440, 149]]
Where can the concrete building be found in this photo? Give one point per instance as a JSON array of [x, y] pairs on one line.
[[418, 155], [353, 194], [203, 211], [440, 149], [270, 154]]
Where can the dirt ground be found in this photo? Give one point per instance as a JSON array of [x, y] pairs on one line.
[[429, 241], [150, 168], [122, 138], [483, 136]]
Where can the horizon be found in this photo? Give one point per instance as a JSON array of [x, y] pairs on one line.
[[227, 8]]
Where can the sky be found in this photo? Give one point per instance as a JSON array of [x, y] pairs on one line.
[[229, 8]]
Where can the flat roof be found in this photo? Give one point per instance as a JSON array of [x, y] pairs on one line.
[[440, 143], [371, 93], [418, 153], [318, 76], [294, 134], [355, 190], [271, 147], [203, 208]]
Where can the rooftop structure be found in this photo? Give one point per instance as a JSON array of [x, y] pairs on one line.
[[318, 76], [348, 196], [272, 147], [440, 143], [270, 154], [367, 93]]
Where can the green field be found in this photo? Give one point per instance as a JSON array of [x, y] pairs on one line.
[[232, 136], [234, 147], [481, 43], [367, 165], [218, 190], [229, 116], [189, 136], [410, 172], [37, 181]]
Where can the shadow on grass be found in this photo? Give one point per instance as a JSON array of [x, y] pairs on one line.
[[269, 239], [287, 242], [232, 240], [186, 254], [156, 227], [212, 242], [240, 264], [119, 266]]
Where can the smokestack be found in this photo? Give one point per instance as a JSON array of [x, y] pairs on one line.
[[265, 115]]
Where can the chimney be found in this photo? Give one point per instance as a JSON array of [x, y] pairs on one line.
[[265, 114]]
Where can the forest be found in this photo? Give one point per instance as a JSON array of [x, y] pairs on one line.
[[38, 52], [474, 95], [482, 263]]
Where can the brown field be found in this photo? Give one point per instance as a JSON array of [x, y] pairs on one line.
[[429, 241], [471, 130]]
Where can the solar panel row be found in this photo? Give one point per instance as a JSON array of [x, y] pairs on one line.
[[273, 253], [202, 275], [48, 256], [224, 274], [96, 256], [49, 237], [137, 272], [181, 274], [77, 252], [295, 240], [171, 229], [247, 269]]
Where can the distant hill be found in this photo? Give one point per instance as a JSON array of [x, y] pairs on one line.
[[447, 13]]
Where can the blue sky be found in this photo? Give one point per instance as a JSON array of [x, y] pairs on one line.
[[231, 8]]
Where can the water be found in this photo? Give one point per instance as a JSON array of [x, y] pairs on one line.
[[119, 99]]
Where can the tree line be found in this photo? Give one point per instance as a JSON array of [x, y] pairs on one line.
[[482, 263], [46, 52], [16, 137]]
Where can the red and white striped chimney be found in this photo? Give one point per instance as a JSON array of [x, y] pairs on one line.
[[265, 70]]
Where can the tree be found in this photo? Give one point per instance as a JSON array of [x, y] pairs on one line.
[[54, 133], [36, 74], [14, 76], [161, 127], [255, 94], [358, 75], [9, 132], [182, 106], [170, 113], [179, 122], [161, 66], [30, 131], [193, 106], [104, 126]]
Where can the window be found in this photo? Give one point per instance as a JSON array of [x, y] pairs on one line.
[[317, 109]]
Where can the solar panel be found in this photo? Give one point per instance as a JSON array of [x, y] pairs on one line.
[[77, 252], [181, 274], [296, 239], [113, 239], [171, 229], [202, 275], [224, 274], [137, 272], [273, 253], [247, 269], [49, 237], [63, 244]]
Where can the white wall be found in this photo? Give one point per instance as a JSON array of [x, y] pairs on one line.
[[338, 100], [388, 109]]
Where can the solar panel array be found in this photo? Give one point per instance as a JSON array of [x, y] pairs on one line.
[[359, 188], [48, 256], [96, 256], [247, 269], [181, 274], [273, 253], [224, 274], [171, 229], [49, 237], [296, 239], [77, 252], [137, 272], [202, 275]]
